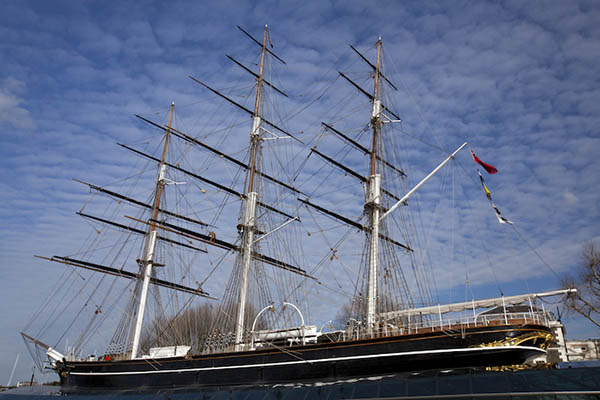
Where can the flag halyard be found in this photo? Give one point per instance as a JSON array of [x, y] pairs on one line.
[[488, 194]]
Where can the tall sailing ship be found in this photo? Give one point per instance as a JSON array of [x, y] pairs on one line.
[[256, 332]]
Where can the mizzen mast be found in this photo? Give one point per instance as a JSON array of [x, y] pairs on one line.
[[147, 261]]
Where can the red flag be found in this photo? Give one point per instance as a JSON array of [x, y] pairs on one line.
[[489, 168]]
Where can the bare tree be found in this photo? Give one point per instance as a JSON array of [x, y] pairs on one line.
[[190, 327], [355, 309], [587, 281]]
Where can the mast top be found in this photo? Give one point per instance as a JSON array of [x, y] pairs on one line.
[[261, 44]]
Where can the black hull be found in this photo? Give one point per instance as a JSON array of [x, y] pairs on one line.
[[317, 362]]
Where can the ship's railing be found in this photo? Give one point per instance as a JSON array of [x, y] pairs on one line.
[[357, 330]]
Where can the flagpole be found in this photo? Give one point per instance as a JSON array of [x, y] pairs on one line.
[[407, 195]]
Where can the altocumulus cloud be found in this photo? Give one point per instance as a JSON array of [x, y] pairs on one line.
[[12, 110]]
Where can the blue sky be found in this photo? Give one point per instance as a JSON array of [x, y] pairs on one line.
[[518, 80]]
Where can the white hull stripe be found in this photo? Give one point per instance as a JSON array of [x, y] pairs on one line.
[[321, 360]]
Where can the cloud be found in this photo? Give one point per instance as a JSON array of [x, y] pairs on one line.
[[570, 198], [11, 110]]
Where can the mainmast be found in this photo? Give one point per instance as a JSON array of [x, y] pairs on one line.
[[251, 200], [147, 260], [373, 201]]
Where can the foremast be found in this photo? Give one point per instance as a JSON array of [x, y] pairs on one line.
[[249, 221], [373, 200], [147, 261]]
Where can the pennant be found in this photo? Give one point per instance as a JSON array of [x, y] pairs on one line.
[[485, 189], [488, 194], [501, 219], [489, 168]]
